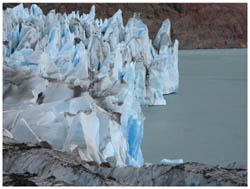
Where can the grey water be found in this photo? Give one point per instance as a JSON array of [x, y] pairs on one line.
[[206, 120]]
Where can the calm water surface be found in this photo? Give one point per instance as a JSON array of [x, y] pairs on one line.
[[206, 121]]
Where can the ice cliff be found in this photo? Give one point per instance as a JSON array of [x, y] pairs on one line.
[[78, 82]]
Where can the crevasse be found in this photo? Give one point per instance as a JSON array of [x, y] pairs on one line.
[[78, 82]]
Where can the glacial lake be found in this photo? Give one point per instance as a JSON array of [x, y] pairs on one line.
[[206, 120]]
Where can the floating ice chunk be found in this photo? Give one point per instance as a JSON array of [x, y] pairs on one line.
[[173, 161]]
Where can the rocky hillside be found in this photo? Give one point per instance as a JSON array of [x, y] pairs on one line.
[[195, 25], [39, 165]]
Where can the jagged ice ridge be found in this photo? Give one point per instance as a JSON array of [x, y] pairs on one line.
[[78, 82]]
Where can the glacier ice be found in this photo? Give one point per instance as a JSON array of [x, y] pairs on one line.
[[171, 161], [78, 82]]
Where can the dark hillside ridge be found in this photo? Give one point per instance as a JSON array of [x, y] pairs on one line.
[[35, 165]]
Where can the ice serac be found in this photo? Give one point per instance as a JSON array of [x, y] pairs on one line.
[[78, 82], [167, 58]]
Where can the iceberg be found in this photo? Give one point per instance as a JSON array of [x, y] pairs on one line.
[[171, 161], [78, 82]]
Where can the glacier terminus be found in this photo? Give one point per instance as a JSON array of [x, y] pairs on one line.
[[78, 82]]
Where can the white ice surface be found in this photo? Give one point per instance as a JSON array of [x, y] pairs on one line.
[[78, 82], [171, 161]]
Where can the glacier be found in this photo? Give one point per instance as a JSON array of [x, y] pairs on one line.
[[79, 82]]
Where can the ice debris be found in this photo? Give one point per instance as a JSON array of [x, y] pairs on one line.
[[171, 161], [78, 82]]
